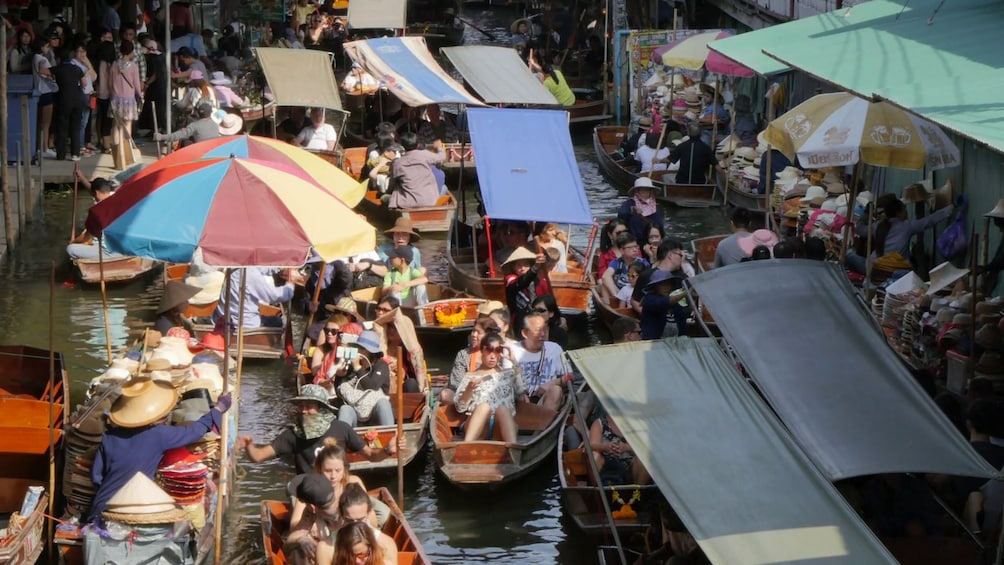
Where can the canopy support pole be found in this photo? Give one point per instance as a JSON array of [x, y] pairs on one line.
[[662, 134], [595, 472], [104, 300], [462, 188], [714, 121], [868, 247], [73, 209], [491, 252], [314, 305], [768, 191], [587, 266]]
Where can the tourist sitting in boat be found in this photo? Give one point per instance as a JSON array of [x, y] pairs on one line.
[[540, 362], [202, 128], [489, 393], [336, 284], [695, 158], [469, 358], [416, 178], [631, 143], [714, 112], [654, 233], [328, 361], [640, 209], [650, 156], [507, 237], [660, 292], [358, 81], [402, 234], [404, 282], [616, 276], [608, 250], [316, 421], [554, 81], [399, 334], [728, 251], [139, 436], [84, 246], [317, 135], [365, 386], [522, 282], [556, 323], [358, 535], [615, 459], [520, 32], [552, 237], [377, 168], [627, 291], [503, 320], [436, 126], [260, 289], [171, 310], [367, 270], [671, 259]]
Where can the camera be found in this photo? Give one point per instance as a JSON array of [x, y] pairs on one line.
[[347, 353]]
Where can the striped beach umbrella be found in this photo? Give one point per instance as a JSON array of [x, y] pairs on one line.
[[692, 53], [834, 130], [240, 212]]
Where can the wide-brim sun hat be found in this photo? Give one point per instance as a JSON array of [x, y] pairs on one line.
[[944, 275], [141, 501], [143, 402], [403, 225], [515, 25], [219, 78], [370, 341], [231, 124], [314, 393], [659, 277], [489, 306], [520, 254], [641, 182], [760, 237], [345, 305], [175, 294]]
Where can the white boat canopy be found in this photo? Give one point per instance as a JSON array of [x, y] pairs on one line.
[[378, 14], [731, 471], [498, 75], [300, 77], [807, 340]]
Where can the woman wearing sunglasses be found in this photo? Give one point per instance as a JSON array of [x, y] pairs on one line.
[[491, 392], [325, 364], [356, 545]]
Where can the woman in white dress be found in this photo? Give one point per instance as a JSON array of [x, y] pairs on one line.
[[491, 391]]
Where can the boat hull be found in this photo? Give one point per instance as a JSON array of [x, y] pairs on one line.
[[259, 343], [607, 313], [415, 428], [116, 269], [425, 219], [754, 202]]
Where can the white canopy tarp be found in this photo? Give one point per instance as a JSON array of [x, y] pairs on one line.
[[300, 77], [378, 14], [727, 466], [498, 75]]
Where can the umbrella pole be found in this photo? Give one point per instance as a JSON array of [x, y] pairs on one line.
[[400, 425], [462, 188], [768, 190], [847, 229], [985, 248], [868, 251], [156, 128], [104, 301], [52, 410]]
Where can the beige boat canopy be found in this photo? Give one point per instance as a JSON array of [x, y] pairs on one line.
[[300, 77], [378, 14], [498, 75]]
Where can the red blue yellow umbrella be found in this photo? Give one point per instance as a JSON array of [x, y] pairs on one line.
[[271, 150], [240, 212]]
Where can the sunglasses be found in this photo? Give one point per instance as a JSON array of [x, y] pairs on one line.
[[332, 331], [364, 555], [496, 349]]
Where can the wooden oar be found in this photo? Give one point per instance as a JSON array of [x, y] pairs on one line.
[[587, 266], [104, 301], [400, 426], [52, 407], [73, 212], [468, 23]]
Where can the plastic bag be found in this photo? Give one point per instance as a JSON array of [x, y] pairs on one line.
[[953, 242]]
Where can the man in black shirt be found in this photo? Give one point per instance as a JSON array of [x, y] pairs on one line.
[[69, 104], [695, 158]]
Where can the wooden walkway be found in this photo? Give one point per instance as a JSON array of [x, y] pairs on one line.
[[99, 165]]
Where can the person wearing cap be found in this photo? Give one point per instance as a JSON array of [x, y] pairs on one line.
[[138, 437], [171, 311], [189, 62], [315, 422], [359, 82], [640, 209], [402, 234], [203, 128], [522, 284], [413, 182], [403, 281], [317, 135], [728, 251]]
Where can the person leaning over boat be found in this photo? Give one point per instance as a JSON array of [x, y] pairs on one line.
[[640, 209], [316, 421], [728, 251], [695, 158], [260, 289], [355, 508], [203, 128], [171, 310], [892, 235], [404, 282], [522, 283], [540, 362], [414, 182], [138, 436], [83, 246], [489, 393]]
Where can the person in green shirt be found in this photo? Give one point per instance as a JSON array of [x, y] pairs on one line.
[[403, 281], [554, 81]]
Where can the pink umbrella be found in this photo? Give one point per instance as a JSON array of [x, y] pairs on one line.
[[692, 53]]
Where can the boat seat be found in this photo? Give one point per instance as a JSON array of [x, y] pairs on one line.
[[576, 469], [533, 418], [407, 558]]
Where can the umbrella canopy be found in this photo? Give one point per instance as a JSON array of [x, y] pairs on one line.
[[833, 130], [337, 181], [240, 212], [692, 53]]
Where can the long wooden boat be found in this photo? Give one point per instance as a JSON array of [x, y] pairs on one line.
[[259, 343], [754, 202], [417, 407], [492, 463], [632, 506], [275, 516], [607, 139], [607, 312], [33, 413], [704, 251], [571, 290], [441, 298], [116, 269], [425, 219], [585, 112]]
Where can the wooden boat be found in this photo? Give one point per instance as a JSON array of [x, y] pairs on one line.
[[571, 290], [354, 161], [580, 496], [492, 463], [587, 112], [754, 202], [607, 139], [33, 414], [609, 313], [275, 516], [116, 269], [436, 218], [416, 429], [178, 272], [261, 342], [704, 251], [424, 317]]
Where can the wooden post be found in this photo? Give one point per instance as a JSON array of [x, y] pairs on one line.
[[52, 407], [156, 126], [662, 134], [400, 425], [868, 248], [104, 301], [8, 209], [222, 492], [310, 316], [767, 190]]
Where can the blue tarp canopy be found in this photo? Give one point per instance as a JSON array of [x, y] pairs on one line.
[[526, 166]]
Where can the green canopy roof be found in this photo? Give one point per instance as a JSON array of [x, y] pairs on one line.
[[943, 66]]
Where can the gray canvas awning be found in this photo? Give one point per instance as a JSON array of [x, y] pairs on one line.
[[378, 14], [300, 77], [498, 75], [820, 360], [739, 482]]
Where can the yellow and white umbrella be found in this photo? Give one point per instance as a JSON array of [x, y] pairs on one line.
[[833, 130]]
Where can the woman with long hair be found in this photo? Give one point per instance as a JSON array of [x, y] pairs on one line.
[[356, 544], [355, 508], [126, 93], [467, 359], [19, 56], [552, 237], [491, 392], [608, 248], [46, 86], [556, 324]]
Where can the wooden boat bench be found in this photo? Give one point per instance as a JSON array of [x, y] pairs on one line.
[[576, 467]]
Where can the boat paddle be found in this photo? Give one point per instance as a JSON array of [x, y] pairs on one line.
[[469, 23], [69, 283]]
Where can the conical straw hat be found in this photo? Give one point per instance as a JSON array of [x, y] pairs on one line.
[[141, 501], [520, 254]]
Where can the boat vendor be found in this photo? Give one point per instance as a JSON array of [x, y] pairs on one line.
[[992, 270], [171, 311], [203, 128], [358, 81], [316, 421], [83, 246], [415, 177], [640, 208], [522, 284], [260, 289], [190, 63], [695, 158], [317, 135], [714, 111], [138, 437], [540, 363]]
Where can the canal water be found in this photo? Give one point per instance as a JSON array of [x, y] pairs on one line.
[[522, 524]]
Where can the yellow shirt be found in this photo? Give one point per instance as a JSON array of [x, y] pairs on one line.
[[561, 92]]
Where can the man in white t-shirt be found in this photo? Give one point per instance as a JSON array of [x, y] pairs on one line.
[[318, 136], [540, 361]]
